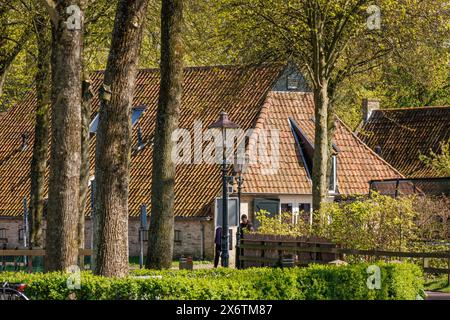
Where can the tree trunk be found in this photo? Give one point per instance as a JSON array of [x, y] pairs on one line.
[[2, 81], [321, 143], [160, 244], [64, 182], [84, 169], [41, 129], [112, 158]]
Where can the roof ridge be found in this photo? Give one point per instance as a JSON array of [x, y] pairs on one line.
[[367, 147], [412, 108], [213, 66]]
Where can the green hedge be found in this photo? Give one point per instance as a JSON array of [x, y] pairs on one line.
[[399, 281]]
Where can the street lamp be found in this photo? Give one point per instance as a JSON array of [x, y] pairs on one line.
[[224, 124], [238, 168]]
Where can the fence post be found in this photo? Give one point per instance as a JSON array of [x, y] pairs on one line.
[[263, 243], [30, 264], [238, 247]]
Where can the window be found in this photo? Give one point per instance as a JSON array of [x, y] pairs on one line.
[[305, 212], [177, 236], [333, 175], [21, 234], [94, 125], [293, 81], [136, 114], [286, 207], [3, 234]]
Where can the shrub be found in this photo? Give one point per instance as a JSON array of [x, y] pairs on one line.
[[399, 281]]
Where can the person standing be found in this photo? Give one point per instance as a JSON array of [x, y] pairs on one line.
[[246, 223], [218, 246]]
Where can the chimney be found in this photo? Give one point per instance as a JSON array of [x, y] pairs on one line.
[[368, 105]]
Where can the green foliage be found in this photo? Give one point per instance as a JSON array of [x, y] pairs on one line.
[[439, 162], [281, 224], [398, 281], [380, 222]]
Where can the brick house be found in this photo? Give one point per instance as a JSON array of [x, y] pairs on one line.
[[272, 98]]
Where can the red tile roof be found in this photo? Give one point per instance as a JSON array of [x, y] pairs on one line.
[[404, 134], [207, 91], [356, 163], [245, 93]]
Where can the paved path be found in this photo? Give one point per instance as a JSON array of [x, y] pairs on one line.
[[437, 295]]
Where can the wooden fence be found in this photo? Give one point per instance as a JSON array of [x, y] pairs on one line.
[[15, 254], [263, 251]]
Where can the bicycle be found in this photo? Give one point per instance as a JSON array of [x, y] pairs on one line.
[[13, 291]]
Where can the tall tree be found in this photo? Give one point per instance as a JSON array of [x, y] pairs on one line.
[[330, 41], [41, 128], [85, 164], [63, 195], [113, 149], [15, 32], [161, 232]]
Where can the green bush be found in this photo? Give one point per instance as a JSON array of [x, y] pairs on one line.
[[399, 281]]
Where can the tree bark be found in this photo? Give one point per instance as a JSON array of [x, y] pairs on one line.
[[321, 143], [161, 231], [113, 149], [84, 169], [41, 129], [64, 182]]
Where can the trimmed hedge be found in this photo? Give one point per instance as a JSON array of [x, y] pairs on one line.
[[398, 281]]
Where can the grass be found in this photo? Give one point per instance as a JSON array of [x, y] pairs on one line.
[[439, 284]]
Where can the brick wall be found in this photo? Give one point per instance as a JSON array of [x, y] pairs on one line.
[[192, 240]]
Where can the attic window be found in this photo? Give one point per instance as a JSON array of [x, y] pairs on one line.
[[135, 115], [293, 81]]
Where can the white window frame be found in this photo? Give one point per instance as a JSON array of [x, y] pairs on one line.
[[333, 174]]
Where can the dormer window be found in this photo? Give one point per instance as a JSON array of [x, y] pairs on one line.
[[332, 185], [94, 125], [135, 115]]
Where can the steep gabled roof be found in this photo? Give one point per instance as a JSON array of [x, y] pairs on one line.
[[207, 91], [356, 163], [404, 134]]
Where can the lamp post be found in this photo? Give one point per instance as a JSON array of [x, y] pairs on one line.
[[224, 124], [238, 169]]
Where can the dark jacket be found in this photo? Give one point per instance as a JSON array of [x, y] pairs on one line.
[[218, 237]]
